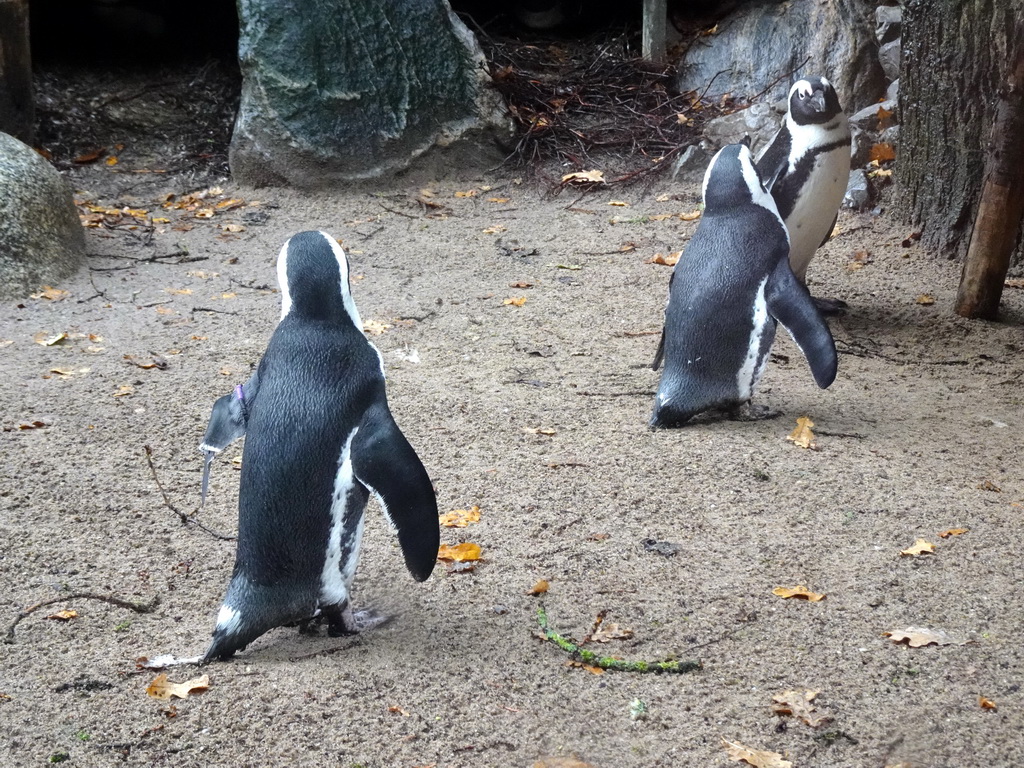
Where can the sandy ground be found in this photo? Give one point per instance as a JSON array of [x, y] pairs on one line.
[[919, 434]]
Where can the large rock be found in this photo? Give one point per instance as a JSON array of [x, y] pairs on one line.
[[764, 40], [760, 122], [336, 90], [41, 237]]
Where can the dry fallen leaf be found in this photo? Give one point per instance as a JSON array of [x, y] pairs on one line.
[[798, 591], [90, 157], [584, 177], [882, 152], [50, 293], [459, 553], [925, 299], [798, 704], [619, 203], [162, 688], [124, 390], [802, 435], [375, 327], [590, 668], [609, 631], [398, 711], [986, 703], [496, 229], [692, 216], [669, 261], [521, 284], [497, 199], [539, 431], [988, 485], [758, 758], [539, 588], [916, 637], [919, 547], [953, 532], [468, 193], [65, 615], [48, 340], [460, 518], [30, 425], [515, 301]]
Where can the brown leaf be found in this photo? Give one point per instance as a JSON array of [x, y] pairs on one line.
[[953, 532], [375, 327], [539, 431], [497, 199], [460, 518], [925, 299], [758, 758], [802, 435], [459, 553], [521, 284], [66, 615], [155, 361], [883, 152], [162, 688], [90, 157], [669, 261], [988, 485], [619, 203], [919, 547], [468, 193], [609, 631], [49, 340], [398, 711], [539, 588], [799, 591], [50, 293], [986, 703], [1014, 282], [31, 425], [496, 229], [515, 301], [692, 216], [917, 637], [798, 704], [584, 177], [125, 390]]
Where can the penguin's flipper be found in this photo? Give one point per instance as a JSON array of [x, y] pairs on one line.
[[384, 462], [774, 159], [831, 229], [660, 354], [227, 423], [789, 302]]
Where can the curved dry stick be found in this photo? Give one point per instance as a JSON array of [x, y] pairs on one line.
[[185, 519], [137, 607]]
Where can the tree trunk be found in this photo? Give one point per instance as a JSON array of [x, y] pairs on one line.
[[17, 111], [955, 57], [1002, 200]]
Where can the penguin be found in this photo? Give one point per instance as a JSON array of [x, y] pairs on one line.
[[320, 440], [808, 163], [731, 286]]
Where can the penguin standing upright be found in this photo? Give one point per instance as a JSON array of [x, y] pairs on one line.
[[730, 286], [808, 163], [319, 440]]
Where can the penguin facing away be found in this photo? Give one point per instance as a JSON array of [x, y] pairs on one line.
[[808, 162], [320, 440], [728, 290]]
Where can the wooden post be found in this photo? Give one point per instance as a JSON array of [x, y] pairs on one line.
[[655, 19], [1002, 200], [17, 110]]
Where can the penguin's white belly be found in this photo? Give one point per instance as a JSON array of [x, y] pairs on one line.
[[816, 207]]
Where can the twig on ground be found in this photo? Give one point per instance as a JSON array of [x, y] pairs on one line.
[[399, 213], [185, 519], [214, 311], [137, 607], [607, 662]]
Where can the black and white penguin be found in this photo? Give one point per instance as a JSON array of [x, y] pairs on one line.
[[728, 290], [808, 164], [320, 440]]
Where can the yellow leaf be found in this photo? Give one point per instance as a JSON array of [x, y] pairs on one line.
[[669, 261], [494, 230], [111, 161], [883, 152], [919, 547], [50, 293], [233, 228], [227, 205], [162, 688], [124, 390], [584, 177], [516, 301], [539, 588], [497, 199], [468, 193], [802, 435], [375, 327], [204, 213], [179, 291], [758, 758], [916, 637], [539, 431], [459, 553], [953, 532], [619, 203], [65, 615], [798, 591], [427, 193], [229, 295], [986, 703], [925, 299], [798, 704], [460, 518], [48, 340], [663, 198], [693, 216]]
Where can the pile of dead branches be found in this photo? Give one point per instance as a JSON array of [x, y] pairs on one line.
[[581, 104]]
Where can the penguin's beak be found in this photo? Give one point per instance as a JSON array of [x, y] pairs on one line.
[[818, 101]]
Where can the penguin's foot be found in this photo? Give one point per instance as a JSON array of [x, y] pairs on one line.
[[830, 307], [751, 412], [343, 621]]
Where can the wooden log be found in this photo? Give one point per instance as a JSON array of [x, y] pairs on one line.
[[1002, 200], [17, 109], [655, 20]]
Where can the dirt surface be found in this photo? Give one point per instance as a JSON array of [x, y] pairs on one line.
[[679, 535]]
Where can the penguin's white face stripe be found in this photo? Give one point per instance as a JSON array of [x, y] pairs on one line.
[[336, 575], [825, 82], [346, 293], [757, 192], [801, 88], [750, 371], [282, 280]]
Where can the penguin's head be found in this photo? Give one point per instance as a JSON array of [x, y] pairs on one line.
[[731, 180], [312, 272], [813, 101]]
